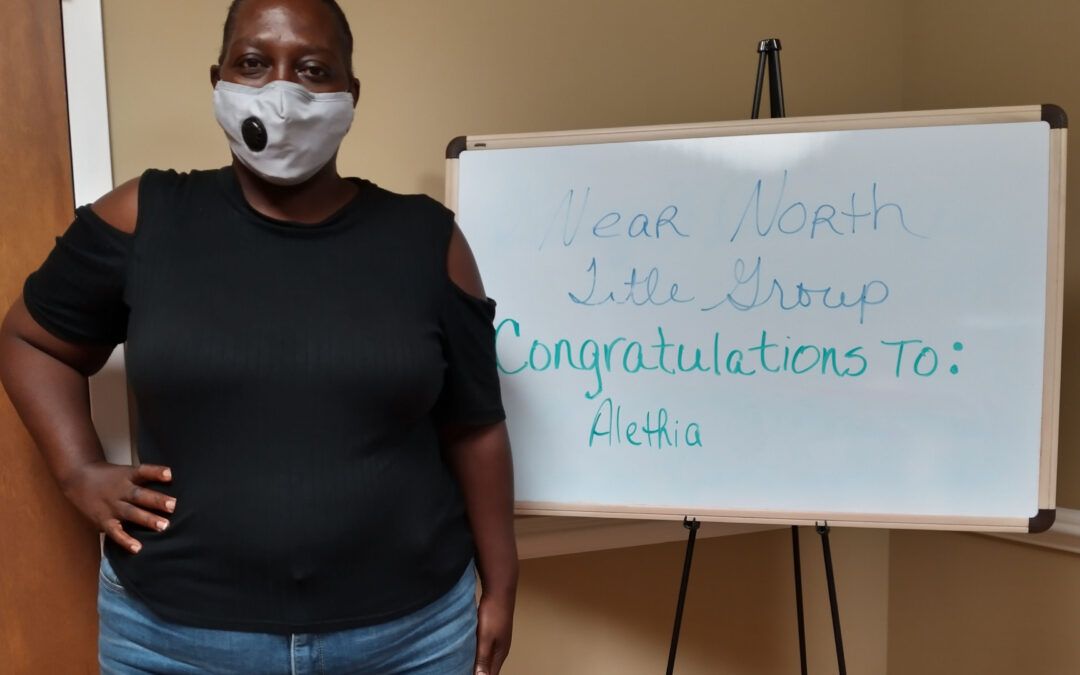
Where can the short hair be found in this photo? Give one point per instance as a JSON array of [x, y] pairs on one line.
[[335, 9]]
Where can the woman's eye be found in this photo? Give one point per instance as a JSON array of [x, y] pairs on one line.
[[315, 72], [249, 63]]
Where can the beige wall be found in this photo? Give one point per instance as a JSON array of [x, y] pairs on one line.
[[958, 603], [432, 70], [961, 604]]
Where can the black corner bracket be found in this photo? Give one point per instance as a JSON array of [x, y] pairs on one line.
[[1055, 116], [455, 147], [1042, 521]]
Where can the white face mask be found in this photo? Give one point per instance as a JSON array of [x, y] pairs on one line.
[[282, 131]]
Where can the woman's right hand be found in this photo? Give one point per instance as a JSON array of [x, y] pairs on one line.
[[112, 494], [46, 379]]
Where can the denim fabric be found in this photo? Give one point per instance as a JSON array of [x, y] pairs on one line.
[[439, 639]]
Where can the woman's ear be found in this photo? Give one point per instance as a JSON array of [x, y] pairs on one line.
[[215, 74], [354, 89]]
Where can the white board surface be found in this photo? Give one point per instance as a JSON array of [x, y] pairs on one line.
[[845, 325]]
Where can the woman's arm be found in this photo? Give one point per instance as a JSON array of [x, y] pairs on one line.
[[480, 458], [46, 379]]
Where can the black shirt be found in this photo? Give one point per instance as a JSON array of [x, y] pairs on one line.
[[294, 378]]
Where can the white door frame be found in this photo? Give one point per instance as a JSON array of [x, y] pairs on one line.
[[91, 171]]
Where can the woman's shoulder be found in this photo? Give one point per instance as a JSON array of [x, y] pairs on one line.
[[423, 213], [416, 204], [120, 206], [461, 265]]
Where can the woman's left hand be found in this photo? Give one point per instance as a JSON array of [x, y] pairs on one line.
[[495, 622], [480, 458]]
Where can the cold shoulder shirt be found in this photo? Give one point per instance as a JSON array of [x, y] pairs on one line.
[[295, 378]]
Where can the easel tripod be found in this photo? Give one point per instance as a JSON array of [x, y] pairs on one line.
[[769, 59]]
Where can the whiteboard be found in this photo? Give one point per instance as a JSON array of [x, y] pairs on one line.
[[831, 319]]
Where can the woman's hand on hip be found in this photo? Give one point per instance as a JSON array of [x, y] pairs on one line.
[[112, 494]]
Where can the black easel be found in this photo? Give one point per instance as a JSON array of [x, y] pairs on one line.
[[692, 525], [823, 530], [769, 51], [798, 598], [769, 56]]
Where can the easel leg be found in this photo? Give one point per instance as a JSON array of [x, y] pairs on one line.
[[693, 526], [756, 108], [798, 598], [823, 530], [769, 57], [776, 90]]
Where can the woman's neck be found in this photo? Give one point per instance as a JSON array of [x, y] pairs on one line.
[[310, 202]]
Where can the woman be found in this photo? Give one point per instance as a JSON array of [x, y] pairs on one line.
[[318, 406]]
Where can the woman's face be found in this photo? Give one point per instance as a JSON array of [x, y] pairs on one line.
[[294, 40]]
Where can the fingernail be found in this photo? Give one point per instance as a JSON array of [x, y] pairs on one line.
[[167, 474], [170, 505], [162, 524], [135, 548]]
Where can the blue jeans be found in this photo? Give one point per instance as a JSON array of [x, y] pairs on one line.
[[439, 639]]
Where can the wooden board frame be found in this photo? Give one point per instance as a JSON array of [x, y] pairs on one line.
[[1053, 115]]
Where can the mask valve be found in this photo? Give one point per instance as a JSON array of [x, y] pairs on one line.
[[254, 133]]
